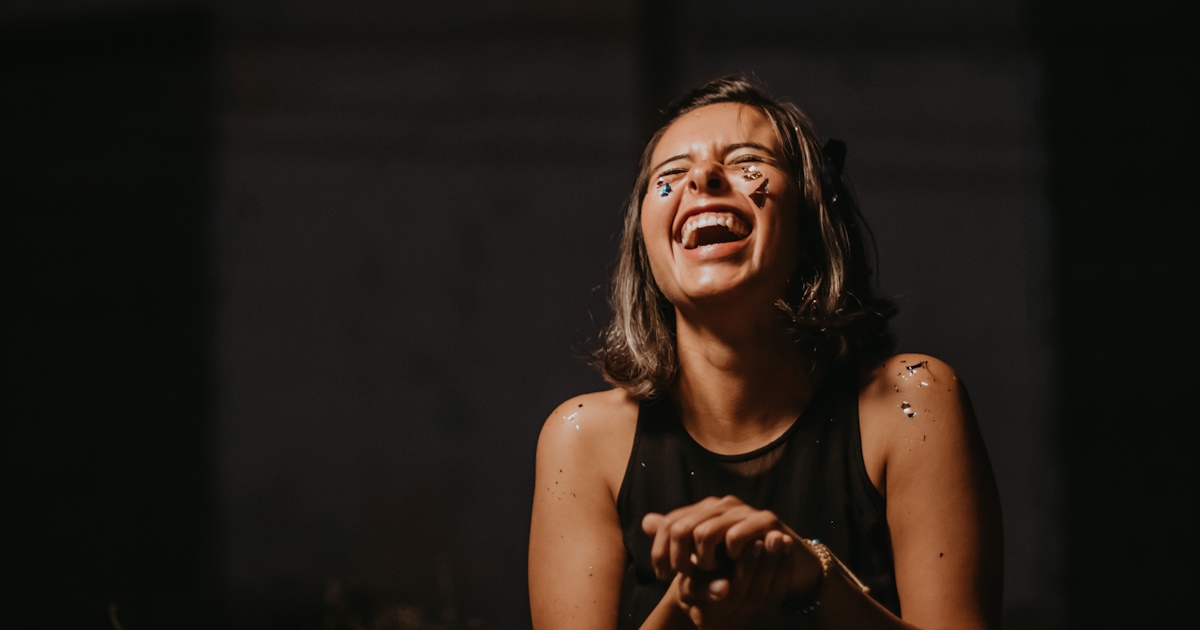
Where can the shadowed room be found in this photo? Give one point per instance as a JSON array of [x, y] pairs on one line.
[[298, 283]]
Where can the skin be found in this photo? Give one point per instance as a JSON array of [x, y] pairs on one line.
[[740, 386]]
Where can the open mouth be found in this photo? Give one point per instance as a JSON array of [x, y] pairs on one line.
[[711, 228]]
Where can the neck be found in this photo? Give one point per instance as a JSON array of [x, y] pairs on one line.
[[740, 387]]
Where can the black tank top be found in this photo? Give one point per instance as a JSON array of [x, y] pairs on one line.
[[812, 477]]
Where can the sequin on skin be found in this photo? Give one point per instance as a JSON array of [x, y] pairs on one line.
[[912, 370], [907, 409], [759, 196]]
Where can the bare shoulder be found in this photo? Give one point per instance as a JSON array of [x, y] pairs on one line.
[[925, 453], [592, 431], [903, 382], [911, 403], [592, 416]]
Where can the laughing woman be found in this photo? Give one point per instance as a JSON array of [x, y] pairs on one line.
[[762, 460]]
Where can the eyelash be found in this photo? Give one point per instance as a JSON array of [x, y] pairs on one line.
[[741, 159]]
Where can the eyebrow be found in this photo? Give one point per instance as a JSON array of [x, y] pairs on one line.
[[729, 149]]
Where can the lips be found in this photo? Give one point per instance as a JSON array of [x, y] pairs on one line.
[[710, 228]]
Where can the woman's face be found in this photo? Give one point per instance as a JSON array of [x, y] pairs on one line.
[[724, 226]]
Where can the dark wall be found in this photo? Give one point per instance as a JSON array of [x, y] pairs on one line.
[[108, 154], [1121, 132]]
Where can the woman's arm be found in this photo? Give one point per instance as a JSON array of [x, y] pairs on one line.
[[923, 449], [576, 552]]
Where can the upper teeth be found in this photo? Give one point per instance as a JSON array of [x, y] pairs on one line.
[[728, 221]]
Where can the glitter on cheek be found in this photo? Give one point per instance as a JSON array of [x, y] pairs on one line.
[[759, 196], [907, 409]]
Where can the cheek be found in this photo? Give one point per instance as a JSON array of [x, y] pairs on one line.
[[786, 238], [656, 240], [655, 221]]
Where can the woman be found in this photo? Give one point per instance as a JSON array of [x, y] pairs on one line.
[[762, 460]]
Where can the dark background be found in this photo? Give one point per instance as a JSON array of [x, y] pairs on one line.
[[293, 284]]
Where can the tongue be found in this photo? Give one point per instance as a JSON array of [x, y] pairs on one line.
[[713, 234]]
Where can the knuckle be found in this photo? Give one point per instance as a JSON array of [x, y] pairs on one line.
[[678, 529]]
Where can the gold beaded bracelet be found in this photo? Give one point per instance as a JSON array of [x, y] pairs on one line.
[[828, 561]]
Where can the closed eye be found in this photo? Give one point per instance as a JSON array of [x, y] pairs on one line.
[[672, 174]]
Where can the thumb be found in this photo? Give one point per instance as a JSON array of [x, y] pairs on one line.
[[651, 522]]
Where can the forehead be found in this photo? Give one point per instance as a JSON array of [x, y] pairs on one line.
[[715, 126]]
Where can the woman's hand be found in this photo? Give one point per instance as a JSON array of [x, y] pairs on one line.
[[732, 564]]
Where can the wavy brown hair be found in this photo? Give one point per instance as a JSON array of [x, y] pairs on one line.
[[830, 304]]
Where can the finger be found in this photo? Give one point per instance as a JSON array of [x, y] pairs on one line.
[[755, 526], [709, 519], [658, 526], [718, 589], [681, 525], [680, 545], [779, 542], [747, 568], [766, 574], [694, 589], [673, 545], [651, 523], [710, 537]]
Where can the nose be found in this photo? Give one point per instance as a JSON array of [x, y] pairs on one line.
[[706, 177]]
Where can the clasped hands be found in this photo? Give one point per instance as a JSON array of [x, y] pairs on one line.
[[729, 564]]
